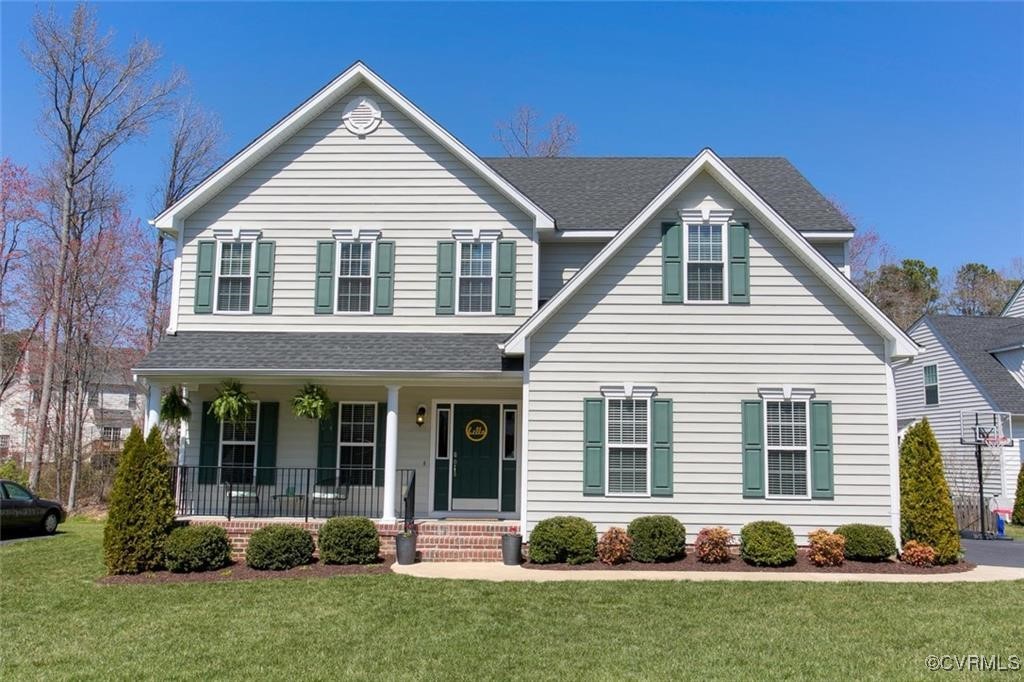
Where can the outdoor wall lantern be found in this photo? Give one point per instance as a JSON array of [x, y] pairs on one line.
[[421, 415]]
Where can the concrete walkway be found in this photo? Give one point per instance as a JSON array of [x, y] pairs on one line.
[[495, 572]]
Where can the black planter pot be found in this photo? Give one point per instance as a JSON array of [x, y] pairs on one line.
[[512, 549], [405, 548]]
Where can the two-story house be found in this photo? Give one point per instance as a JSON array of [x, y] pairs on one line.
[[514, 339]]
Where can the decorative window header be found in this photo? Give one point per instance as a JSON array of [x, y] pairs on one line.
[[361, 116], [475, 234], [628, 391], [785, 392], [236, 234], [707, 211], [355, 234]]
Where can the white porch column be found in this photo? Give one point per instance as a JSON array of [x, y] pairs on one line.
[[390, 455], [152, 407]]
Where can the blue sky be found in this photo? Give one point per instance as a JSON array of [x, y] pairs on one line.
[[911, 115]]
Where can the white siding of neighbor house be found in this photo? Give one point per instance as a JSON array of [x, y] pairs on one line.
[[708, 358], [396, 179], [297, 437], [1013, 361], [1016, 305], [559, 261]]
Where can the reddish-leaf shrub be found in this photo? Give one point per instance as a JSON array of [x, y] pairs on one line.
[[826, 549], [712, 545], [917, 554], [613, 547]]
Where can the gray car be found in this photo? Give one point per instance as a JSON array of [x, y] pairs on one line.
[[23, 511]]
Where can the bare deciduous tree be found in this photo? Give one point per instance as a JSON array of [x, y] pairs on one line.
[[524, 134], [96, 101]]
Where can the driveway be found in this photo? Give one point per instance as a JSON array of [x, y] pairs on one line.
[[995, 552]]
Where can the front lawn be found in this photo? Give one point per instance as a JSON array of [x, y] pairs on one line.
[[57, 623]]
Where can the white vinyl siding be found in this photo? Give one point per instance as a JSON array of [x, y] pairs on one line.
[[397, 180], [708, 359], [559, 261], [1015, 307], [835, 252]]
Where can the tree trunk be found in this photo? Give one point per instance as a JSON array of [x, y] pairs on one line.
[[152, 331]]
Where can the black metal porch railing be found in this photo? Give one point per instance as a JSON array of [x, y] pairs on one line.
[[295, 492]]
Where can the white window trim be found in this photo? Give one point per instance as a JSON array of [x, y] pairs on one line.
[[806, 400], [255, 450], [686, 262], [373, 274], [608, 445], [494, 273], [925, 385], [337, 451], [250, 239]]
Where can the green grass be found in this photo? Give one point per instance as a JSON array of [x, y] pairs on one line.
[[57, 623], [1014, 531]]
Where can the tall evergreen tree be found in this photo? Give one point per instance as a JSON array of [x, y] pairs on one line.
[[1018, 505], [926, 507]]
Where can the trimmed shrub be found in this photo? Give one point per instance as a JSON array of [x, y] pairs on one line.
[[712, 545], [141, 513], [767, 543], [865, 542], [1018, 505], [10, 470], [826, 549], [278, 548], [197, 548], [926, 507], [657, 538], [563, 539], [349, 540], [917, 554], [614, 546]]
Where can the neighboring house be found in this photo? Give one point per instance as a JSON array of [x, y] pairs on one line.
[[968, 364], [699, 351]]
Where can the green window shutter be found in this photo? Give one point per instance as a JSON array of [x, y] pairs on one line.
[[445, 278], [266, 444], [327, 447], [593, 446], [506, 298], [661, 453], [209, 446], [384, 285], [821, 450], [263, 296], [323, 303], [671, 263], [739, 263], [381, 442], [205, 267], [753, 449]]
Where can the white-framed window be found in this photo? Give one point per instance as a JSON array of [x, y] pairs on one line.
[[931, 384], [235, 276], [786, 448], [111, 435], [704, 246], [627, 445], [357, 443], [355, 276], [239, 449], [475, 277]]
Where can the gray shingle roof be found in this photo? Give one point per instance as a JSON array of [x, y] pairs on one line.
[[328, 351], [606, 192], [972, 339]]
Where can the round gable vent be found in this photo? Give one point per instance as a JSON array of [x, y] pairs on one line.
[[361, 116]]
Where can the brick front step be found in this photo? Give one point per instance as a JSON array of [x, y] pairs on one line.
[[458, 554]]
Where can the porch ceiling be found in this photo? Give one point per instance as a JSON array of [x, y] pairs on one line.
[[210, 353]]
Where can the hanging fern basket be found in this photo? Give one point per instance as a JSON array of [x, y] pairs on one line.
[[311, 402], [174, 406], [232, 404]]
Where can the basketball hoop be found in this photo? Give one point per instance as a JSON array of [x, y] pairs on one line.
[[995, 441]]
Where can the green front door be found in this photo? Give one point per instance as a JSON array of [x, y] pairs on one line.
[[475, 450]]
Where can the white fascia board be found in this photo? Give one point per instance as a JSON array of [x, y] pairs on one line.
[[821, 237], [313, 107], [577, 235], [903, 346]]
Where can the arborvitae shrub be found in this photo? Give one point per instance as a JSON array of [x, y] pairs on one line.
[[278, 548], [926, 507], [657, 538], [1018, 506], [865, 542], [563, 539], [767, 543], [349, 540], [141, 513], [197, 548], [613, 547]]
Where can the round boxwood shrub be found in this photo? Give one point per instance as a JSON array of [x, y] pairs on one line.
[[197, 548], [657, 538], [767, 543], [277, 548], [563, 539], [349, 540], [865, 542]]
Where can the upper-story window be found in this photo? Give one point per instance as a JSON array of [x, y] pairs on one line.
[[931, 384], [476, 277], [234, 277], [705, 262], [355, 276]]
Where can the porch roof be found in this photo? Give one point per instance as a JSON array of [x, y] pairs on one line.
[[210, 352]]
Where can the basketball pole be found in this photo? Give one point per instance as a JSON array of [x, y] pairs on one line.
[[981, 488]]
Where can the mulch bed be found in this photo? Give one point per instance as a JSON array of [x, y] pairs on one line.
[[802, 565], [239, 571]]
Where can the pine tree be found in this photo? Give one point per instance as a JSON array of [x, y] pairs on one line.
[[925, 504], [141, 506], [1018, 505]]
